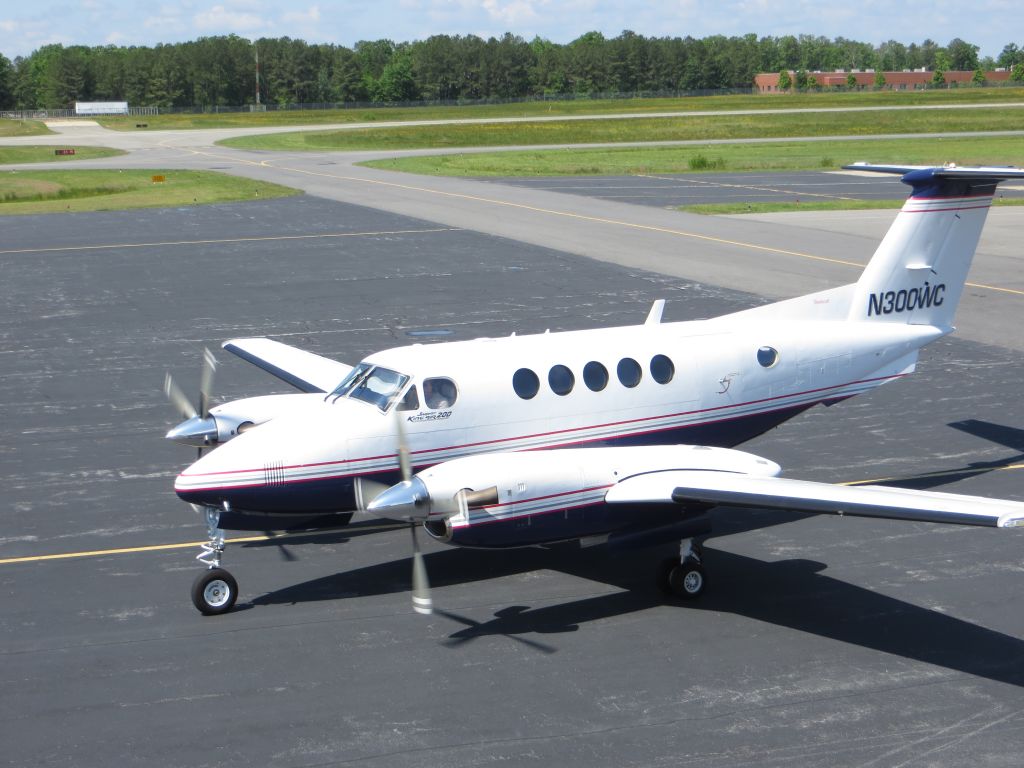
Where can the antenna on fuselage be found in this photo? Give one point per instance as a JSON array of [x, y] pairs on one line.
[[654, 316]]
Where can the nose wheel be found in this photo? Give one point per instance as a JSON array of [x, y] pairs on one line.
[[683, 576], [214, 591]]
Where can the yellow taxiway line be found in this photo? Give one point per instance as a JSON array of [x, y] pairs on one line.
[[191, 544]]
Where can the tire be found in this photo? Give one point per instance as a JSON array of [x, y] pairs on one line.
[[214, 592], [664, 572], [687, 580]]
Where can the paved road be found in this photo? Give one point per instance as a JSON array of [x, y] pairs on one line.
[[821, 641]]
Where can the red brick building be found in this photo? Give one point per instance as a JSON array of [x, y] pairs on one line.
[[768, 82]]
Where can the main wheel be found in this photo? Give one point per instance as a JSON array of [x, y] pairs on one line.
[[214, 592], [687, 580]]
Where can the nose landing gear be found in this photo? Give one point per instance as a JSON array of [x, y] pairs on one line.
[[214, 591]]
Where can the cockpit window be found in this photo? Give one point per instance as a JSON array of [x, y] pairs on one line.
[[371, 384], [439, 393]]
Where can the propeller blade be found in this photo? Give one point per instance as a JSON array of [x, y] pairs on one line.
[[178, 398], [402, 448], [422, 602], [206, 382]]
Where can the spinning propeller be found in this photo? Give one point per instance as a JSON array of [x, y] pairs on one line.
[[410, 501], [199, 428]]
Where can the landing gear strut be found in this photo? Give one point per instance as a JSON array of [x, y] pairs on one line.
[[215, 590], [683, 576]]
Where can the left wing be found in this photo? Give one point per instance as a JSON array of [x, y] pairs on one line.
[[304, 370], [741, 490]]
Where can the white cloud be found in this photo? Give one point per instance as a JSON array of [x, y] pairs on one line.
[[221, 20], [309, 16]]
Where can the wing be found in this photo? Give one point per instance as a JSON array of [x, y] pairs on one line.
[[739, 490], [303, 370]]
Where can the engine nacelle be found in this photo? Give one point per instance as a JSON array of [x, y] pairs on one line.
[[229, 420], [517, 499]]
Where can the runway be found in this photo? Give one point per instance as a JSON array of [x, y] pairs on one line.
[[821, 641]]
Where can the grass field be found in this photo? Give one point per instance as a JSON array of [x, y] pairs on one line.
[[718, 127], [23, 192], [23, 128], [574, 107], [36, 154], [780, 156]]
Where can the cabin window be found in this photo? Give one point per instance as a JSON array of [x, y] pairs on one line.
[[595, 376], [767, 356], [439, 393], [411, 401], [629, 372], [662, 369], [561, 380], [525, 383]]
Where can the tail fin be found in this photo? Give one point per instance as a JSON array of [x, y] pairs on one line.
[[917, 275]]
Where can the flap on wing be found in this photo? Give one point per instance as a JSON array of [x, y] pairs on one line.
[[303, 370], [740, 490]]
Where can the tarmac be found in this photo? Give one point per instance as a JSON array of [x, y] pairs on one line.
[[821, 641]]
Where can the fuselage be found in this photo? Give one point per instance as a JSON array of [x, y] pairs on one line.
[[714, 382]]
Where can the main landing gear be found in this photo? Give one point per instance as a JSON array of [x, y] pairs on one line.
[[683, 576], [216, 590]]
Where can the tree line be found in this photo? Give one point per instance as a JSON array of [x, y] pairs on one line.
[[221, 71]]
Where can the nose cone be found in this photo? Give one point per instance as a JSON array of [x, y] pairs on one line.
[[195, 431], [407, 501]]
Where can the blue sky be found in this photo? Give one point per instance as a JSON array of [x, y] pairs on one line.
[[24, 26]]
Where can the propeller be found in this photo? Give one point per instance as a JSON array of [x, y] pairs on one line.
[[409, 502], [198, 426]]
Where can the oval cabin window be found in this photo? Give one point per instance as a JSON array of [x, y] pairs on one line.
[[561, 380], [629, 372], [595, 376], [525, 383], [662, 369]]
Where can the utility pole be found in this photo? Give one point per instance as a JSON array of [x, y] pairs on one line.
[[257, 50]]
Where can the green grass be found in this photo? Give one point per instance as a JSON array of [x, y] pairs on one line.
[[784, 155], [23, 192], [718, 127], [574, 107], [23, 128], [41, 154], [720, 209]]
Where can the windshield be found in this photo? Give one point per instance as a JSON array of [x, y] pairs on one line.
[[371, 384]]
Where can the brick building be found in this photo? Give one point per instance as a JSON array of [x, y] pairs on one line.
[[768, 82]]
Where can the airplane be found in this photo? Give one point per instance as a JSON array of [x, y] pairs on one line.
[[622, 436]]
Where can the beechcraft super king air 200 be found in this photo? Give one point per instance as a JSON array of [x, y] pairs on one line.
[[622, 436]]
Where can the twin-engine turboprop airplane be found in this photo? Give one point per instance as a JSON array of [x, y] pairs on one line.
[[619, 435]]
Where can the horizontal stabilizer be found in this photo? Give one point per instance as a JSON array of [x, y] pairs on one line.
[[303, 370], [996, 173], [737, 490]]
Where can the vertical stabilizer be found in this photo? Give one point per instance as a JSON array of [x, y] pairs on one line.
[[917, 275]]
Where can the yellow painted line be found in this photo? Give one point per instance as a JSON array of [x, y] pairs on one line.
[[943, 473], [182, 545], [268, 238], [552, 212]]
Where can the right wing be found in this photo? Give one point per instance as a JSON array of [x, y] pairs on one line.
[[303, 370], [740, 490]]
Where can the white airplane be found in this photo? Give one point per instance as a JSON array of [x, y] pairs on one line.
[[617, 435]]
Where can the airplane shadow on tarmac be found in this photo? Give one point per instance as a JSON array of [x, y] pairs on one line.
[[790, 593]]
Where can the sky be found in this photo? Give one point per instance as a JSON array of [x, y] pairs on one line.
[[25, 26]]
